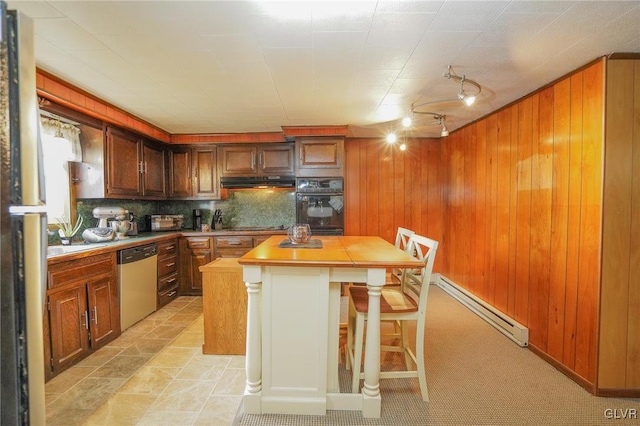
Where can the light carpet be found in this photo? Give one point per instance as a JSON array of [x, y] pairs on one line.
[[475, 376]]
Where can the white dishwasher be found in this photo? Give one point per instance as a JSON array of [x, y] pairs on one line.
[[138, 283]]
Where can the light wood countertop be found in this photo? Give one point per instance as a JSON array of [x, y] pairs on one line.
[[347, 251]]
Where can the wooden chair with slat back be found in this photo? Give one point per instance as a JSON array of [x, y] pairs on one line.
[[403, 303], [402, 242]]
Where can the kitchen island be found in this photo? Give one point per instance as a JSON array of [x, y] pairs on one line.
[[293, 323]]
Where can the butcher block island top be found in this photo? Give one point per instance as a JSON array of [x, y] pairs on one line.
[[293, 321], [344, 251]]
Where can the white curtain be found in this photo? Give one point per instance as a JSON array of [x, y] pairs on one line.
[[57, 153], [69, 147]]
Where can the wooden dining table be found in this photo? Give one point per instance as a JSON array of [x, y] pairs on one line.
[[293, 319]]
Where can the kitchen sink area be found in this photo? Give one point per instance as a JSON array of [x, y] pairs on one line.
[[60, 250]]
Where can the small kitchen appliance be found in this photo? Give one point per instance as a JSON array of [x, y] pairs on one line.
[[197, 219], [320, 203], [103, 232], [133, 226], [103, 214], [121, 227], [164, 222]]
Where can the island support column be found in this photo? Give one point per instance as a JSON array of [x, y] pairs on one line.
[[253, 361], [371, 401]]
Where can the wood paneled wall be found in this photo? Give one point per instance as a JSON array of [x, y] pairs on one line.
[[522, 214], [619, 366], [386, 188], [515, 201]]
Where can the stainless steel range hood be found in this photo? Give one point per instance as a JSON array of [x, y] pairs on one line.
[[247, 182]]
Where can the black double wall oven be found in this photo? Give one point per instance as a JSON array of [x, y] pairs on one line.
[[320, 203]]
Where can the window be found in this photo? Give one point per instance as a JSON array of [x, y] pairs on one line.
[[60, 144]]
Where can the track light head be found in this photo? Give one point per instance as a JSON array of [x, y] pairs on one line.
[[442, 119], [467, 99]]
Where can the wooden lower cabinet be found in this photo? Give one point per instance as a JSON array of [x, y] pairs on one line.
[[69, 335], [194, 252], [83, 310], [233, 246], [168, 268], [224, 302], [197, 251]]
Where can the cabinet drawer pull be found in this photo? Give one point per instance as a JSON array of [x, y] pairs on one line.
[[234, 243], [171, 293], [170, 280], [168, 248], [169, 264]]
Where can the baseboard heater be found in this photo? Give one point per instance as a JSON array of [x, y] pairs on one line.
[[501, 322]]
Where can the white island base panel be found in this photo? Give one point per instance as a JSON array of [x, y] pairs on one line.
[[292, 341]]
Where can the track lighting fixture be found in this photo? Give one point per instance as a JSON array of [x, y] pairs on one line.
[[445, 131], [465, 97], [440, 120], [469, 91]]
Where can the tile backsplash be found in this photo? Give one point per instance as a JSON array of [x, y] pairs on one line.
[[242, 208]]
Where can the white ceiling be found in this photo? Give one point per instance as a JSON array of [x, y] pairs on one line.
[[254, 66]]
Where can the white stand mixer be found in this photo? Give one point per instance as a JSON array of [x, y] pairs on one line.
[[103, 232], [103, 214]]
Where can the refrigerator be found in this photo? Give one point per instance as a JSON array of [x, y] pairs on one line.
[[23, 237]]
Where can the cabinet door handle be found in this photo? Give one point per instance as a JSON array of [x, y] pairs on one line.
[[253, 160], [83, 320], [145, 167], [95, 315], [262, 159], [195, 172], [169, 264]]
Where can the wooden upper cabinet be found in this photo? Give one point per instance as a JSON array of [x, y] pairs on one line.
[[238, 160], [153, 170], [123, 164], [276, 159], [180, 173], [135, 167], [321, 156], [246, 160], [205, 180], [193, 172]]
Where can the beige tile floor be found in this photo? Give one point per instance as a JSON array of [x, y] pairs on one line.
[[153, 374]]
